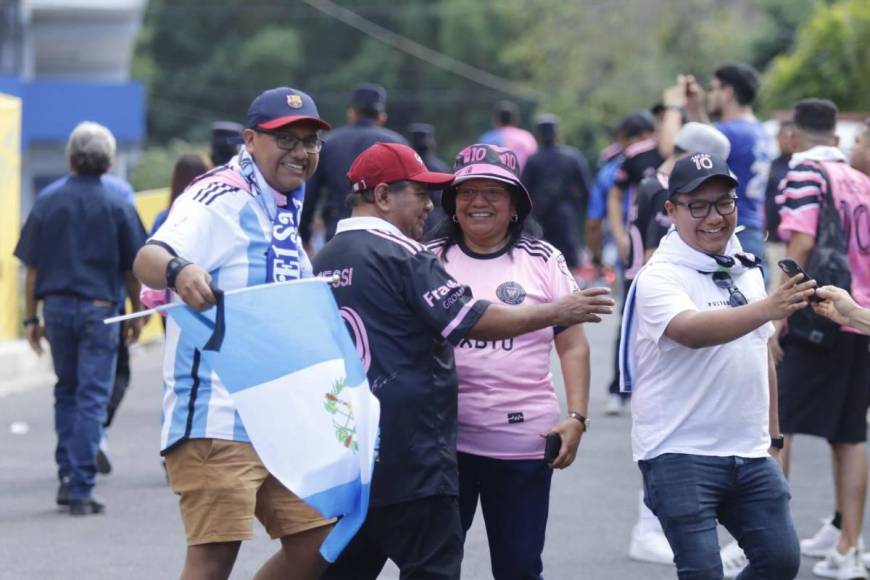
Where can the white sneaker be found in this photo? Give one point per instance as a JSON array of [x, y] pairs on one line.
[[733, 560], [848, 566], [650, 546], [824, 540], [614, 405], [865, 557]]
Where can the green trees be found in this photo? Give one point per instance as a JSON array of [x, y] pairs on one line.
[[831, 59], [589, 61]]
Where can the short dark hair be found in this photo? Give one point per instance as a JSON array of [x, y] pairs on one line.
[[355, 198], [741, 77], [816, 115], [507, 113]]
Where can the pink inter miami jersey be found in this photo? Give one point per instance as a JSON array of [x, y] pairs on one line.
[[506, 395]]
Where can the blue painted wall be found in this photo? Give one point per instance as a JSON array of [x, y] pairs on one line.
[[52, 109]]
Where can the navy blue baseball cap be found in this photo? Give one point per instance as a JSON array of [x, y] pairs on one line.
[[283, 106], [370, 97]]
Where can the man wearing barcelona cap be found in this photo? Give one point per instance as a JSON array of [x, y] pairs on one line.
[[404, 312], [234, 227]]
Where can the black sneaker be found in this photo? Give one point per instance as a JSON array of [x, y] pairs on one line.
[[104, 466], [63, 492], [85, 507]]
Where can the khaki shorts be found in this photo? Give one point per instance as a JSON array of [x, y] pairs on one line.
[[223, 485]]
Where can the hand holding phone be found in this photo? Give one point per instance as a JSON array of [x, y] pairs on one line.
[[552, 447], [792, 269]]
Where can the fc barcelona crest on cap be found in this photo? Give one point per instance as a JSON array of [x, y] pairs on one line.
[[269, 109]]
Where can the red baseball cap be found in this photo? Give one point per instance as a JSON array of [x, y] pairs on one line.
[[392, 162]]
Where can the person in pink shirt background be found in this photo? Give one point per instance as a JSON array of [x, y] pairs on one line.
[[507, 401]]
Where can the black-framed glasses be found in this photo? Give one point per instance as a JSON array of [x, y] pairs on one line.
[[723, 280], [289, 141], [701, 209]]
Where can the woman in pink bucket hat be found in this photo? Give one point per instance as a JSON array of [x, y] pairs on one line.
[[509, 415]]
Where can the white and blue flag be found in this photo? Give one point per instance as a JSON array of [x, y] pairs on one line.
[[284, 354]]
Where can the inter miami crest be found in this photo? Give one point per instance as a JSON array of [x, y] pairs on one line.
[[511, 293]]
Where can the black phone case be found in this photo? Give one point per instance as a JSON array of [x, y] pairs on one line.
[[552, 447]]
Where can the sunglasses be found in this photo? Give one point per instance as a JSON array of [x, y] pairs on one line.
[[735, 296]]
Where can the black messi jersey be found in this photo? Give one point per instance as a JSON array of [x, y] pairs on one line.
[[404, 311]]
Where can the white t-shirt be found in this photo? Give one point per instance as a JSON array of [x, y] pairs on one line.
[[710, 401]]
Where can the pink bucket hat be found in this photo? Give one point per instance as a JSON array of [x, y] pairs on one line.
[[482, 161]]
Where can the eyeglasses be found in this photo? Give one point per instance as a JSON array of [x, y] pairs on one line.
[[489, 193], [289, 141], [701, 209], [735, 296]]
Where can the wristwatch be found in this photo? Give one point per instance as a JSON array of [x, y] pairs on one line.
[[173, 268], [581, 418], [28, 321], [777, 442]]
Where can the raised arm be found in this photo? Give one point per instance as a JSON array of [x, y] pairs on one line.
[[500, 322], [695, 329]]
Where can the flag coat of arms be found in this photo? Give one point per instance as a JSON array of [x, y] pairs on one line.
[[284, 354]]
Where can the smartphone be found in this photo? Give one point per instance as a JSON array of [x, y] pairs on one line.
[[792, 268], [552, 447]]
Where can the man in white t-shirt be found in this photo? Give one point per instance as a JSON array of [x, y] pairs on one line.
[[695, 358]]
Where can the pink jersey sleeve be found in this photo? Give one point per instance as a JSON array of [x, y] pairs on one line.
[[562, 282], [799, 195]]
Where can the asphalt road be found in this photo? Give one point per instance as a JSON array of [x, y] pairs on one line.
[[593, 505]]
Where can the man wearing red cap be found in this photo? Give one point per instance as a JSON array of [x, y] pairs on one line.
[[404, 312], [234, 227]]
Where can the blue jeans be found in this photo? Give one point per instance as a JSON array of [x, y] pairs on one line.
[[83, 351], [689, 493], [515, 498]]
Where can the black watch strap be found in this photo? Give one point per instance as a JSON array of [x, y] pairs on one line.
[[29, 321], [173, 268], [777, 442]]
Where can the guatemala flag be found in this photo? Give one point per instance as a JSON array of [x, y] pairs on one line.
[[284, 354]]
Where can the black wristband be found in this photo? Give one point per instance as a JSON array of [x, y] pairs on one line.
[[28, 321], [777, 442], [173, 268]]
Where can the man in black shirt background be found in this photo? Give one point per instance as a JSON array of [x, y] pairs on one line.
[[558, 178], [327, 189]]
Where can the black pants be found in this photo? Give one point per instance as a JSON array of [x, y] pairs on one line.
[[423, 537], [122, 380]]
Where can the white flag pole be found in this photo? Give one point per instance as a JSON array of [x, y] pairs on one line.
[[165, 307]]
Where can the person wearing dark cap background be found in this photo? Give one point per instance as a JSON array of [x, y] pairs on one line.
[[507, 132], [558, 178], [694, 355], [225, 139], [404, 312], [328, 188], [423, 142], [234, 227]]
